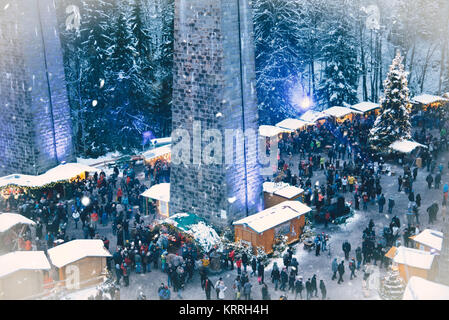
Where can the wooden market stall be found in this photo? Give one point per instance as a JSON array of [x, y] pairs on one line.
[[22, 274], [80, 263], [261, 229], [425, 101], [421, 289], [341, 114], [160, 193], [13, 227], [293, 124], [367, 108], [315, 117], [272, 131], [161, 153], [412, 262], [428, 240], [275, 193], [405, 149]]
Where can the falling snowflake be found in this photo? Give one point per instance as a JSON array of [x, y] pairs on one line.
[[101, 83], [94, 103], [6, 7]]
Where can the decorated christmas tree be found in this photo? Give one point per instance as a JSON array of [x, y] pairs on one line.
[[392, 287], [393, 123]]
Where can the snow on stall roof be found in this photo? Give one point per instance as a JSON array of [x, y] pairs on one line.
[[9, 220], [428, 98], [23, 260], [62, 172], [405, 146], [161, 140], [313, 116], [274, 216], [271, 131], [204, 234], [422, 289], [75, 250], [293, 124], [430, 238], [414, 258], [365, 106], [160, 192], [157, 152], [282, 189], [339, 112]]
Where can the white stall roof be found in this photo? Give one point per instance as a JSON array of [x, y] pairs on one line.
[[62, 172], [274, 216], [158, 141], [365, 106], [430, 238], [313, 116], [414, 258], [160, 192], [75, 250], [339, 112], [9, 220], [282, 189], [405, 146], [428, 98], [23, 260], [422, 289], [293, 124], [271, 131], [157, 152]]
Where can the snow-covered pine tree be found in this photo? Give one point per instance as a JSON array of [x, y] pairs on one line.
[[392, 287], [393, 123], [278, 56], [338, 87]]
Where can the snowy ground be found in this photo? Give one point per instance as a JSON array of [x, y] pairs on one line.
[[309, 264]]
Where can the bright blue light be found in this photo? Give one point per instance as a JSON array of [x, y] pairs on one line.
[[299, 99]]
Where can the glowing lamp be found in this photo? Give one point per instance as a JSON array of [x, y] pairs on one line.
[[85, 201]]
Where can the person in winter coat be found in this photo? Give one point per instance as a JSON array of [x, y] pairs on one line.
[[221, 290], [244, 260], [164, 293], [260, 272], [358, 256], [341, 271], [391, 204], [253, 266], [314, 286], [237, 286], [381, 203], [265, 294], [231, 258], [317, 248], [308, 289], [334, 268], [418, 200], [208, 287], [284, 279], [352, 267], [323, 290], [299, 286], [247, 290], [437, 180], [291, 282], [238, 263], [218, 286], [275, 276], [346, 247], [429, 180], [125, 273]]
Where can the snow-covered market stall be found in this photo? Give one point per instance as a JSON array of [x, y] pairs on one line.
[[406, 149], [341, 114], [293, 124], [161, 153], [413, 262], [425, 101], [428, 240], [277, 192], [272, 131], [422, 289], [22, 274], [316, 117], [263, 228], [14, 232], [80, 263], [367, 107], [57, 178], [157, 198]]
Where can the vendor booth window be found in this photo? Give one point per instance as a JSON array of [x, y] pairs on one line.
[[163, 207]]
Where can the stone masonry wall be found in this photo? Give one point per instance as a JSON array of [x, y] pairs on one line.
[[35, 134], [208, 87]]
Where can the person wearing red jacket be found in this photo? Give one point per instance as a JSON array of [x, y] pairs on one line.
[[119, 195], [238, 263], [125, 273], [231, 258]]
